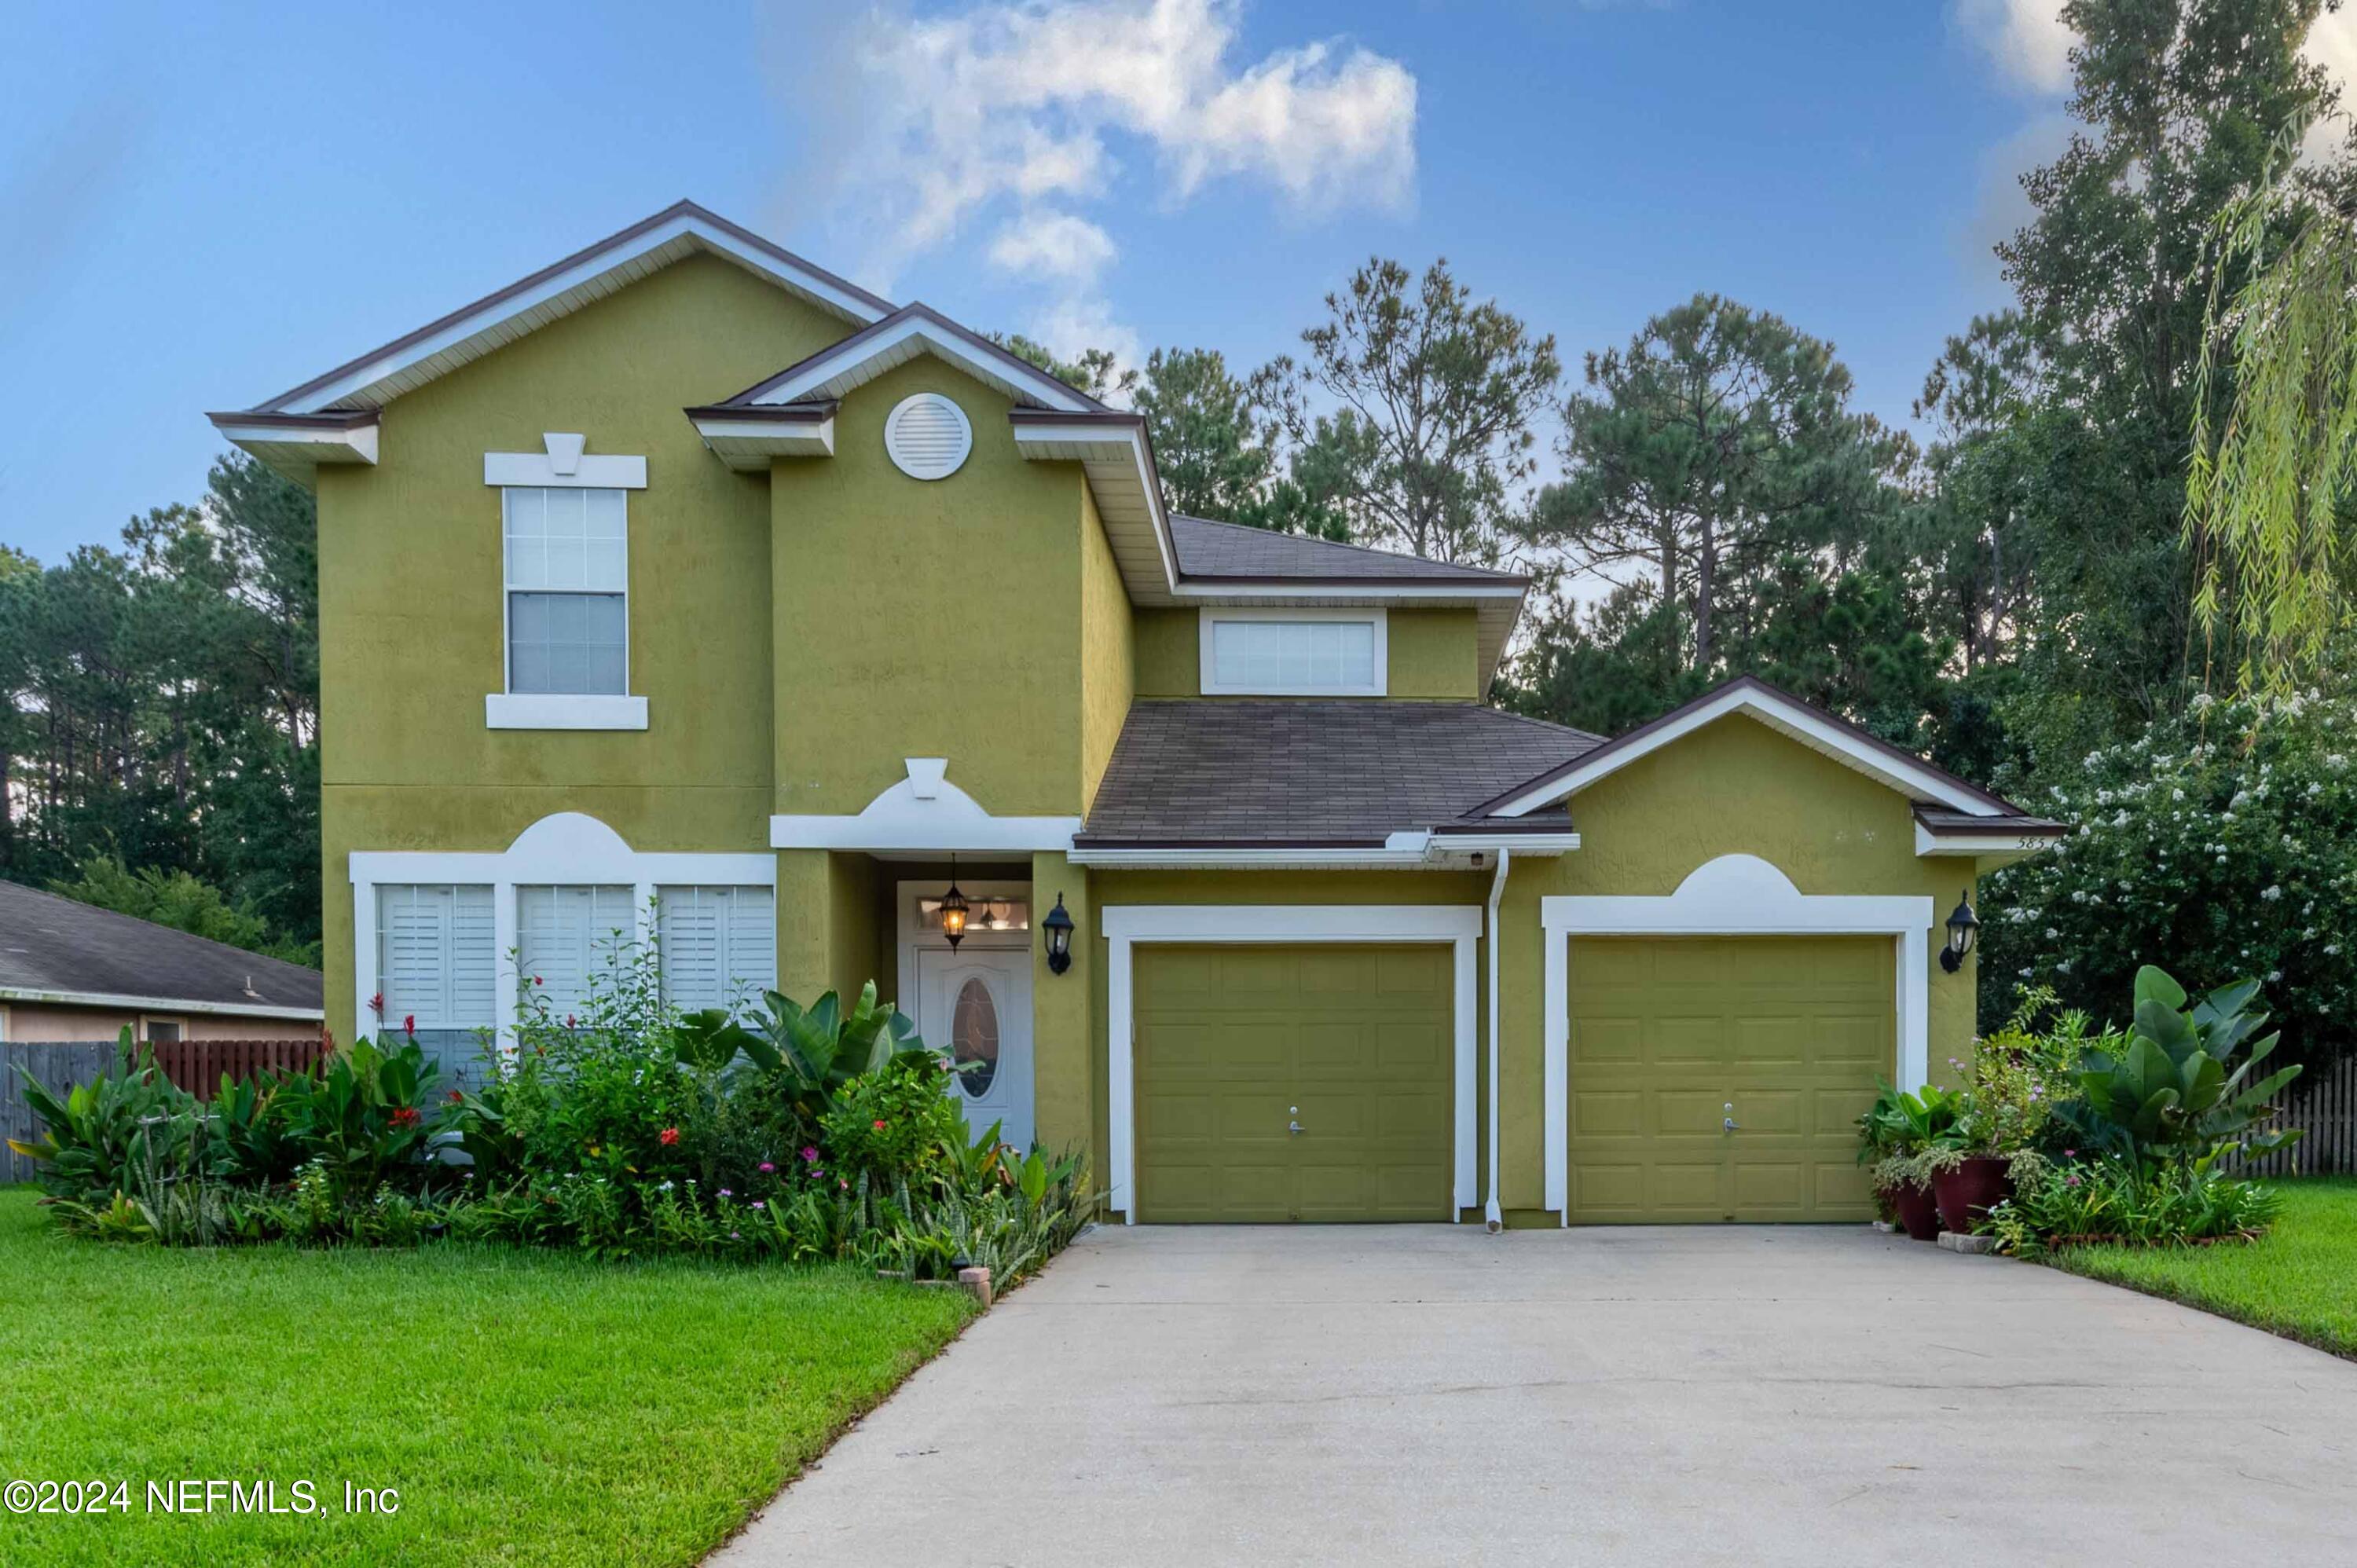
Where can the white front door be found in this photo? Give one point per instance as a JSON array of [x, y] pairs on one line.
[[976, 1005]]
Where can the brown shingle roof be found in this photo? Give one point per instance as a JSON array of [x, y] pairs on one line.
[[1311, 772], [1208, 549], [49, 943]]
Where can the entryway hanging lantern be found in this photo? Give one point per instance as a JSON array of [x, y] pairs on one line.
[[954, 910]]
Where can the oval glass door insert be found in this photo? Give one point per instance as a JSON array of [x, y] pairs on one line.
[[974, 1037]]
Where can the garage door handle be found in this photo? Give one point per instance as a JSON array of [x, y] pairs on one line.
[[1730, 1117], [1293, 1126]]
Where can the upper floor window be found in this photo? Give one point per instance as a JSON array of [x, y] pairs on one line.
[[1293, 653], [567, 554]]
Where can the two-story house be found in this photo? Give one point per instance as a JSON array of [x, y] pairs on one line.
[[685, 587]]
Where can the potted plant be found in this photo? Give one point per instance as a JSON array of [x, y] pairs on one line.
[[1897, 1134], [2004, 1115]]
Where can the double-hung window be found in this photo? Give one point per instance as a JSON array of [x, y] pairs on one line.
[[568, 591]]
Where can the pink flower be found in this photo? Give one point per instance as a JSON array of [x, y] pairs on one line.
[[810, 1154], [758, 1204], [726, 1193], [879, 1123], [768, 1169]]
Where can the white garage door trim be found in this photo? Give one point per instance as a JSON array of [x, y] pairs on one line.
[[1126, 925], [1734, 895]]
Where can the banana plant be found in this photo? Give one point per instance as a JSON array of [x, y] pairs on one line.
[[2171, 1093], [818, 1048]]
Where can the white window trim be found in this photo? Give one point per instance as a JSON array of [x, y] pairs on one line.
[[1735, 894], [1126, 925], [1212, 615], [566, 849], [147, 1020], [562, 465], [563, 710]]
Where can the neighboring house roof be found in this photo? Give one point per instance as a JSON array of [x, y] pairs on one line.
[[1318, 774], [60, 949], [1233, 551]]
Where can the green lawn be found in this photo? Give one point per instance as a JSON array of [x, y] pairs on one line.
[[2300, 1281], [529, 1408]]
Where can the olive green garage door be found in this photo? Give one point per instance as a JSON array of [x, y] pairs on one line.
[[1233, 1044], [1672, 1037]]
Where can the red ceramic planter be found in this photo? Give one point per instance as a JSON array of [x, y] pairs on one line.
[[1971, 1190], [1919, 1213]]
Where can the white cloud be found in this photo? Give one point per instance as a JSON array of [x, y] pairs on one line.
[[926, 125], [1052, 244], [2026, 39], [2031, 45]]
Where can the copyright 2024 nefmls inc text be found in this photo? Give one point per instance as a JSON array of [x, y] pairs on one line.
[[197, 1496]]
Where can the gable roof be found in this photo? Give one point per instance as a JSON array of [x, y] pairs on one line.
[[911, 330], [1326, 774], [55, 948], [557, 290], [1746, 694]]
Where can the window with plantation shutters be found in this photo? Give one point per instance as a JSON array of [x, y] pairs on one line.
[[567, 935], [435, 957], [720, 945]]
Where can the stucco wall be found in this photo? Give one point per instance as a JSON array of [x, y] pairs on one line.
[[1434, 654], [1108, 650], [410, 593], [52, 1022], [928, 619]]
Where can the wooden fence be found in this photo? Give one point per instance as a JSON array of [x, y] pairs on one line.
[[2322, 1103], [196, 1065]]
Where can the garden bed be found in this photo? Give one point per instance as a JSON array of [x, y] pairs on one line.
[[2298, 1280], [529, 1405]]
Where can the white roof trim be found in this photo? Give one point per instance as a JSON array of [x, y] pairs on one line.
[[1812, 729], [860, 359], [115, 1001], [565, 292], [1406, 851], [1931, 843], [1129, 503]]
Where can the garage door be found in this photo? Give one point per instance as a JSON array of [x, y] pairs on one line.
[[1233, 1044], [1671, 1039]]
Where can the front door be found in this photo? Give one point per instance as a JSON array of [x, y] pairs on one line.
[[976, 1005]]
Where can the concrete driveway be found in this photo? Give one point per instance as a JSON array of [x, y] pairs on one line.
[[1432, 1394]]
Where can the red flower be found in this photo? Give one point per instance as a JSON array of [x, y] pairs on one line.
[[376, 1004], [409, 1025], [458, 1096], [879, 1124], [407, 1116], [668, 1137]]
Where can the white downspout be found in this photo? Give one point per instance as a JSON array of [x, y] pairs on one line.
[[1492, 1214]]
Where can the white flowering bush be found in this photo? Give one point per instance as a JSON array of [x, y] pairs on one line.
[[2221, 845]]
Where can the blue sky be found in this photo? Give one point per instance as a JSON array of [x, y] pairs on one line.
[[198, 210]]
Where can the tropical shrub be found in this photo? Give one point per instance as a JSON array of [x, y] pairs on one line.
[[1902, 1131], [2226, 838], [2115, 1200], [2165, 1093], [895, 1121], [92, 1134]]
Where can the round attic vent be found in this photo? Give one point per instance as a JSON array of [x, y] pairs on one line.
[[927, 436]]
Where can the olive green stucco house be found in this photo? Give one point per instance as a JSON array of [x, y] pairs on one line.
[[688, 588]]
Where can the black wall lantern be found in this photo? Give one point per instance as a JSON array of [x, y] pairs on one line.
[[1962, 927], [1058, 927], [954, 910]]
